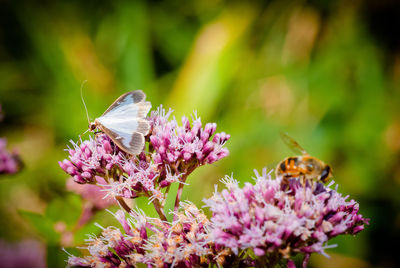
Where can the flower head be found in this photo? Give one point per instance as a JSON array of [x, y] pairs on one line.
[[183, 242], [10, 163], [258, 225], [186, 144], [271, 221], [93, 157], [26, 253], [174, 152]]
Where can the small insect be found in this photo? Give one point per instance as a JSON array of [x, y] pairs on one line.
[[124, 121], [304, 166]]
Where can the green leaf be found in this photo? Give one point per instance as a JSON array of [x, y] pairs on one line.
[[66, 210], [43, 225]]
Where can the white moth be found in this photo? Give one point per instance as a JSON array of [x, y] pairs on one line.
[[125, 123]]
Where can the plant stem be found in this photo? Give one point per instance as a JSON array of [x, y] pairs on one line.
[[179, 193], [166, 195], [180, 188], [86, 215], [305, 260], [159, 209], [123, 204]]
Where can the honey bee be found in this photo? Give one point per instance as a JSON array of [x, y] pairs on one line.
[[304, 166]]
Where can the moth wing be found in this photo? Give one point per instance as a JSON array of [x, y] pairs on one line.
[[124, 121], [129, 140], [124, 124], [132, 144], [130, 104], [292, 144]]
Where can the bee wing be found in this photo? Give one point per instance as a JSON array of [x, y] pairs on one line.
[[292, 144], [131, 104]]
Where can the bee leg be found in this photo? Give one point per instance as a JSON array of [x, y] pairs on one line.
[[285, 182]]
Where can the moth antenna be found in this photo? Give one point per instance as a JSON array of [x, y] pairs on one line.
[[83, 101]]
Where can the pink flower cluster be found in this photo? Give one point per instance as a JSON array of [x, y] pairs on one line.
[[150, 241], [260, 225], [174, 152], [93, 157], [276, 223], [9, 162], [181, 145], [26, 253]]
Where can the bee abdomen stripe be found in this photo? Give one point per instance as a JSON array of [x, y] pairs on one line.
[[294, 159], [325, 173], [283, 166]]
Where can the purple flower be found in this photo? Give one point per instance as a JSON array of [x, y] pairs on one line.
[[99, 161], [27, 253], [9, 162], [261, 224], [93, 157], [280, 223], [174, 152], [189, 144], [150, 241]]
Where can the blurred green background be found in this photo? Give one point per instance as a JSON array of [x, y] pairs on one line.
[[326, 72]]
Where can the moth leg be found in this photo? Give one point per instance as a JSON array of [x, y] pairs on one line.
[[98, 133]]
